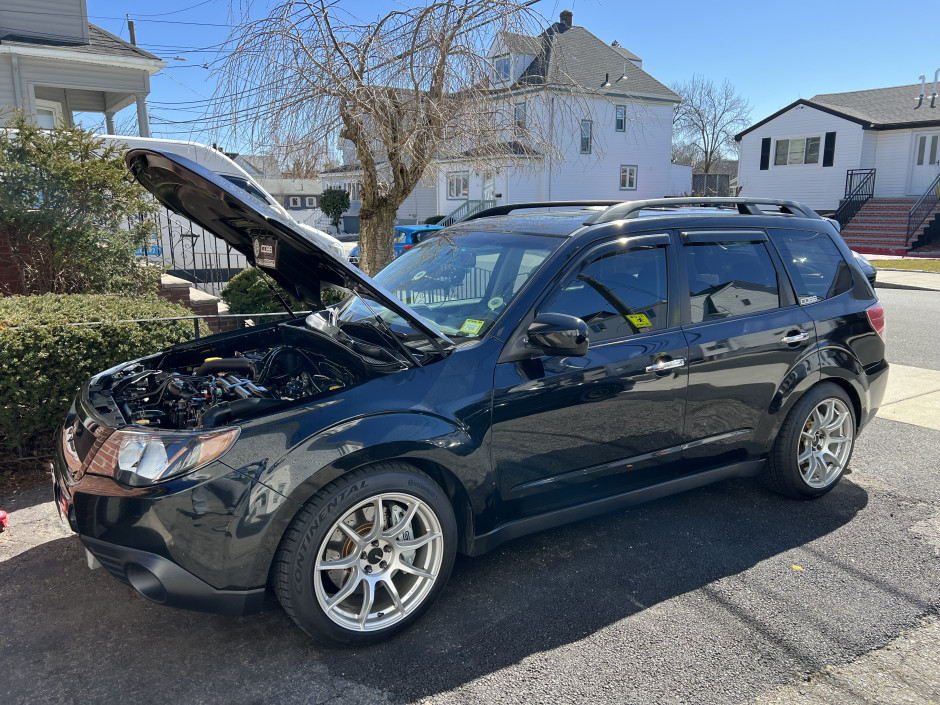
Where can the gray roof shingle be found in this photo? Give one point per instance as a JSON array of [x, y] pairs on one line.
[[100, 42], [572, 55], [898, 105]]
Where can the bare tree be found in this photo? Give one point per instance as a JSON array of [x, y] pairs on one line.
[[410, 90], [706, 121]]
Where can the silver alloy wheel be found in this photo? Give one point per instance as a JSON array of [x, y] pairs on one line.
[[372, 574], [825, 443]]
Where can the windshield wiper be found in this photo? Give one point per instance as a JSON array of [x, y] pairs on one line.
[[387, 331]]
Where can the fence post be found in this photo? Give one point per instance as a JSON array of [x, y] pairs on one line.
[[196, 326]]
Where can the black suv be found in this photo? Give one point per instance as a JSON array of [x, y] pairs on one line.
[[532, 365]]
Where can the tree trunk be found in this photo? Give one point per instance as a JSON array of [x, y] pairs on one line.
[[376, 237]]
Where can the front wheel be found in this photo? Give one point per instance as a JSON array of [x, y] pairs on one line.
[[815, 444], [367, 555]]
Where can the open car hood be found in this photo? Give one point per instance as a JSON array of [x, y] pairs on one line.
[[293, 259]]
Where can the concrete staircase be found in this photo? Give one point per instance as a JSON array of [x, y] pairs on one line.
[[880, 227]]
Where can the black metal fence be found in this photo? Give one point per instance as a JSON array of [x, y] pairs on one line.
[[711, 185], [923, 208], [192, 253], [859, 188]]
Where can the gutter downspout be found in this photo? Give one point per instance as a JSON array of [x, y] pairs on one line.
[[17, 88]]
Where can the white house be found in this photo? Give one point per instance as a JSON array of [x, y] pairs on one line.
[[617, 147], [819, 150], [53, 62]]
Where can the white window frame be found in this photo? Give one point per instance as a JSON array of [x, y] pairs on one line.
[[311, 201], [620, 116], [54, 106], [801, 154], [628, 170], [502, 68], [293, 201], [458, 185], [589, 138]]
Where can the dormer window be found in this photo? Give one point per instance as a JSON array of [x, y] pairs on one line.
[[502, 68]]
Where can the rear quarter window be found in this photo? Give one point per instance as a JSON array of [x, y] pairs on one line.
[[814, 263]]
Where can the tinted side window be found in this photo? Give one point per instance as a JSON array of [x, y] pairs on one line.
[[814, 263], [617, 295], [730, 279]]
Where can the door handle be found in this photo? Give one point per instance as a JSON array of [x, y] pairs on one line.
[[667, 365], [799, 337]]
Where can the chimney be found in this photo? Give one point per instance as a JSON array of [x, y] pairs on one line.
[[566, 17]]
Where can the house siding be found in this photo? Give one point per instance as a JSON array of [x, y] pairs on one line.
[[817, 186], [46, 19], [893, 157], [7, 91]]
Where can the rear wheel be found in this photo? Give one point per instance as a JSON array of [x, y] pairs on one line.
[[367, 555], [815, 444]]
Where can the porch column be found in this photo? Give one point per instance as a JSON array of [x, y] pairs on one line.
[[143, 119], [109, 123]]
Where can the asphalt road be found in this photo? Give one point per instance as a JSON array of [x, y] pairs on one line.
[[715, 596]]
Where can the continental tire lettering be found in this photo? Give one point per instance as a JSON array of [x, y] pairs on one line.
[[420, 486], [299, 582]]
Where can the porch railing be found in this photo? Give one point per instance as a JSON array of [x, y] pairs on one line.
[[859, 188], [922, 209], [465, 209]]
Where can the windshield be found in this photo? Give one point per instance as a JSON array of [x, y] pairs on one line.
[[461, 282]]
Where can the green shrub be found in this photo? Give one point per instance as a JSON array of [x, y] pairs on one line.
[[248, 293], [334, 202], [47, 360], [434, 219], [72, 216]]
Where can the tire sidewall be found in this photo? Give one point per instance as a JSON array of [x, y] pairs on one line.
[[328, 508], [792, 449]]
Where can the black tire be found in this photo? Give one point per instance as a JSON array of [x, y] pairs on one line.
[[784, 474], [315, 534]]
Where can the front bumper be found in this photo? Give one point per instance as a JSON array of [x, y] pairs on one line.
[[162, 581], [191, 543]]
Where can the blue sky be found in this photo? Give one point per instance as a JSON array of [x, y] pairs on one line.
[[773, 53]]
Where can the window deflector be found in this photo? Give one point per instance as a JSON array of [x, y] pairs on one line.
[[692, 237]]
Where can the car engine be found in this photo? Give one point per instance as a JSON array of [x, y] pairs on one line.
[[220, 390]]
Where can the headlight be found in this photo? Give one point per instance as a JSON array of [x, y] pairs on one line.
[[145, 458]]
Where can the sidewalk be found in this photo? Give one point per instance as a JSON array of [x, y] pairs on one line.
[[907, 279]]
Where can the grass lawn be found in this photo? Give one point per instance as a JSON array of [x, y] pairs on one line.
[[924, 265]]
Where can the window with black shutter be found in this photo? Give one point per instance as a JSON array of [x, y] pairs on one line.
[[829, 149], [765, 154]]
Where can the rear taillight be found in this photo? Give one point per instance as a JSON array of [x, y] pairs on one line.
[[407, 247], [876, 316]]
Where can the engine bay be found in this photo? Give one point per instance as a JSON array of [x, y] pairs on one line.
[[221, 389]]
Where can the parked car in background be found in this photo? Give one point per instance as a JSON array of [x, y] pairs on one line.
[[529, 369], [406, 237]]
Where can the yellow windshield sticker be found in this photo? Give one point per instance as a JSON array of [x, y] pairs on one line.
[[640, 320], [471, 326]]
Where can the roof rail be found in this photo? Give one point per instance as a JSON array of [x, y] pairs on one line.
[[508, 208], [746, 206]]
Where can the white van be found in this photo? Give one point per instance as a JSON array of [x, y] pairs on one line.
[[217, 161]]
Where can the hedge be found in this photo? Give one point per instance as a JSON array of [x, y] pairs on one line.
[[47, 360]]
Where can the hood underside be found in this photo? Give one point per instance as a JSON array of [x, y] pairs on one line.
[[294, 260]]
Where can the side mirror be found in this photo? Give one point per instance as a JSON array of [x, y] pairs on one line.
[[559, 334]]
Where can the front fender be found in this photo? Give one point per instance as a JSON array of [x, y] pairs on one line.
[[408, 435]]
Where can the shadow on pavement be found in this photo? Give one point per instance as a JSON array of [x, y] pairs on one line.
[[71, 632]]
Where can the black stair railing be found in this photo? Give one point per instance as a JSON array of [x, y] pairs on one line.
[[859, 187], [923, 208]]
